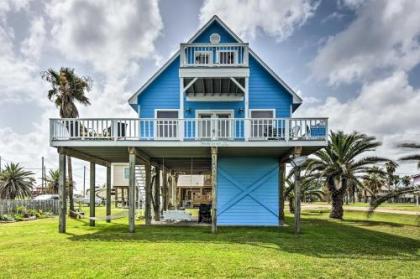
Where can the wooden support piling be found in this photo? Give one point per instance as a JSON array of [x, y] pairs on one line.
[[214, 189], [156, 189], [296, 153], [282, 183], [148, 190], [92, 195], [62, 193], [108, 194], [132, 193]]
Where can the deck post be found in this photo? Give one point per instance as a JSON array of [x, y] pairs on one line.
[[62, 193], [164, 188], [282, 180], [156, 207], [148, 190], [92, 195], [214, 189], [132, 191], [297, 152], [108, 194]]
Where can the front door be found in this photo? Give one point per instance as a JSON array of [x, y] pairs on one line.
[[214, 125]]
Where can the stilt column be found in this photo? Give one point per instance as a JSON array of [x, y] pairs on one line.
[[62, 193], [92, 195], [148, 190], [132, 192], [108, 194], [214, 189]]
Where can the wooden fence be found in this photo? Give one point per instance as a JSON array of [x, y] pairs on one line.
[[8, 207]]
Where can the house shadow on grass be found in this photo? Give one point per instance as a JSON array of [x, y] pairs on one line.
[[320, 238]]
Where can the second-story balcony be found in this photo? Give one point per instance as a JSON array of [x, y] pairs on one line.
[[214, 55], [199, 129]]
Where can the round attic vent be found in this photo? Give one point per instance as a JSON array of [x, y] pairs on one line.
[[214, 38]]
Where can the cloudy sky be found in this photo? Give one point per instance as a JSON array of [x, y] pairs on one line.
[[355, 61]]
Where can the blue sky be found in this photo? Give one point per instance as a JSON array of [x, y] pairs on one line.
[[354, 61]]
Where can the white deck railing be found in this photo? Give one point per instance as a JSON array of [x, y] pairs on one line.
[[199, 129], [214, 55]]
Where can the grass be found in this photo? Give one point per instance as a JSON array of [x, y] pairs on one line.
[[385, 246], [396, 206]]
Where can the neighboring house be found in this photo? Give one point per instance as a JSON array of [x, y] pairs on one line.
[[416, 179], [213, 108]]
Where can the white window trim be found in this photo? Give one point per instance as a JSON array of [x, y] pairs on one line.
[[196, 52], [155, 124], [235, 51], [208, 111]]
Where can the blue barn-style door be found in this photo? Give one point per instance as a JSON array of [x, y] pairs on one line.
[[247, 191]]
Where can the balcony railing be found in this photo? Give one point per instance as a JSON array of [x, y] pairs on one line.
[[200, 129], [214, 55]]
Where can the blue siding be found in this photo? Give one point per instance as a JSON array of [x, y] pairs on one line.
[[215, 27], [247, 191], [265, 92], [162, 93]]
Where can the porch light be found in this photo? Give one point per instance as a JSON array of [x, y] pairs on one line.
[[188, 110], [241, 110]]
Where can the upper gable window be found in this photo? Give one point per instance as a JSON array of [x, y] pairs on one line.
[[203, 57], [227, 57], [214, 38]]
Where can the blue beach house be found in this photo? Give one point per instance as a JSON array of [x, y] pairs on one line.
[[214, 108]]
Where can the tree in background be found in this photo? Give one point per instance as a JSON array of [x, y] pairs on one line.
[[342, 163], [67, 89], [15, 182], [373, 181], [52, 181]]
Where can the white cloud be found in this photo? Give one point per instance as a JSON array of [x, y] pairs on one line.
[[33, 45], [386, 108], [277, 18], [111, 35], [383, 37]]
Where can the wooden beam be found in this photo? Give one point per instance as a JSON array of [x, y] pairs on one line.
[[189, 84], [83, 156], [62, 193], [296, 153], [282, 183], [156, 207], [92, 195], [238, 84], [141, 155], [214, 189], [165, 188], [132, 192], [108, 194], [148, 190]]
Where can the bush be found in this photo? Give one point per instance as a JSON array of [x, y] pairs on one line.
[[7, 218]]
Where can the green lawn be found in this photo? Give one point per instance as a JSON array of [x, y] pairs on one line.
[[386, 246], [397, 206]]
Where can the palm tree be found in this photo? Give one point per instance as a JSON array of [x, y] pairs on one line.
[[67, 89], [373, 181], [393, 194], [15, 182], [390, 168], [415, 157], [52, 181], [341, 164], [308, 189]]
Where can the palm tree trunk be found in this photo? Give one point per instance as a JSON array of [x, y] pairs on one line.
[[291, 205], [70, 181], [337, 198]]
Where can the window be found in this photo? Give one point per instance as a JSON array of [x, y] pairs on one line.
[[261, 124], [126, 173], [202, 57], [227, 57], [167, 128]]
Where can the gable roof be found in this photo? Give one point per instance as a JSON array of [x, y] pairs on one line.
[[296, 99]]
